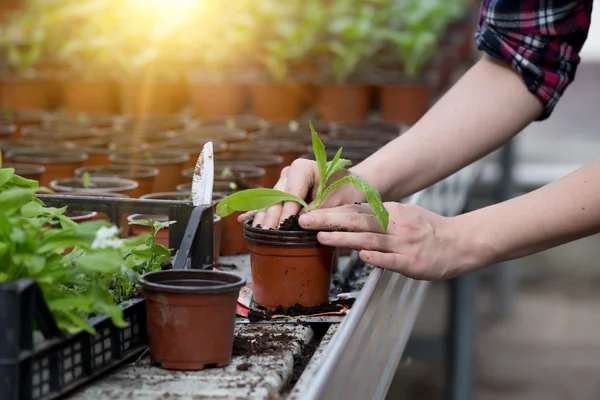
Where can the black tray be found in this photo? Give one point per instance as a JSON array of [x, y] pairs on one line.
[[58, 363]]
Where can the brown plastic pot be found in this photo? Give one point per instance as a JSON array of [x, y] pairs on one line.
[[27, 95], [344, 102], [289, 150], [143, 175], [27, 171], [232, 232], [21, 120], [97, 184], [224, 133], [251, 175], [270, 162], [71, 134], [247, 123], [140, 133], [149, 98], [405, 103], [277, 101], [58, 162], [217, 99], [169, 164], [191, 317], [90, 97], [301, 133], [7, 131], [99, 149], [288, 268], [191, 146]]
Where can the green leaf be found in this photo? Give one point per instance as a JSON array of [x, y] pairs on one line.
[[25, 183], [254, 199], [105, 261], [5, 175], [373, 197], [320, 157], [13, 199], [34, 209], [86, 179]]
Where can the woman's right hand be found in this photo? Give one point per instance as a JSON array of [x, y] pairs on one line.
[[301, 179]]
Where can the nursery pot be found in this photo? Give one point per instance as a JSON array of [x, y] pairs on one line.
[[224, 133], [191, 317], [169, 164], [277, 101], [7, 131], [251, 175], [143, 175], [90, 97], [20, 120], [27, 171], [217, 99], [405, 103], [60, 134], [58, 162], [289, 150], [344, 102], [27, 94], [97, 184], [192, 147], [270, 162], [248, 123], [288, 267], [99, 149]]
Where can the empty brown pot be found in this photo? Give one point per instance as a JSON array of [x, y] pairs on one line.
[[191, 317], [270, 162], [277, 101], [288, 268], [344, 102], [217, 99], [405, 103], [97, 184], [143, 175], [169, 164], [27, 171], [58, 162], [90, 97]]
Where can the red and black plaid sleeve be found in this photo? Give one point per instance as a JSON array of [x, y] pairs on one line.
[[541, 39]]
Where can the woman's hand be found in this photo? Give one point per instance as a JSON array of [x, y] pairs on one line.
[[418, 243]]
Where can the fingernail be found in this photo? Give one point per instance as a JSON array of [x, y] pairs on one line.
[[325, 235]]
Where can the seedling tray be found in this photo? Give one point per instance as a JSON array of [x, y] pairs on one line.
[[38, 360]]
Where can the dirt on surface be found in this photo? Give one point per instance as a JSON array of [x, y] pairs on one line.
[[298, 310], [291, 224], [244, 367], [261, 344]]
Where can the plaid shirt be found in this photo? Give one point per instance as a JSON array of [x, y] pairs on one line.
[[541, 39]]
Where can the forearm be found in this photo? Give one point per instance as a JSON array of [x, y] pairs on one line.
[[483, 110], [560, 212]]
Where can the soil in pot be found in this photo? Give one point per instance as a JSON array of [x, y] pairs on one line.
[[27, 95], [71, 134], [149, 98], [58, 162], [270, 162], [143, 175], [99, 149], [90, 97], [233, 173], [405, 103], [141, 133], [224, 133], [217, 99], [277, 101], [191, 317], [247, 123], [97, 184], [344, 103], [27, 171], [289, 150], [289, 266], [191, 146], [170, 164]]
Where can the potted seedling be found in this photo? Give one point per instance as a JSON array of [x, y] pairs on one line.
[[289, 266], [344, 95]]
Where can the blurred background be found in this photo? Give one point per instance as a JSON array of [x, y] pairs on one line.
[[369, 68]]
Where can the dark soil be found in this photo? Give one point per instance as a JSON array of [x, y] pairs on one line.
[[291, 224], [297, 310], [260, 344], [243, 367]]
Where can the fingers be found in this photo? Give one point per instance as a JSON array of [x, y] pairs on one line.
[[246, 216], [301, 177], [356, 241], [392, 261], [336, 221]]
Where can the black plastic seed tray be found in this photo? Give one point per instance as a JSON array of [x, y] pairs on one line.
[[39, 361]]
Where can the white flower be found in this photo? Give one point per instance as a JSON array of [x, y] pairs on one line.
[[107, 238]]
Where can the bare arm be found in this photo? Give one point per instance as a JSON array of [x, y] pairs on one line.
[[483, 110], [565, 210]]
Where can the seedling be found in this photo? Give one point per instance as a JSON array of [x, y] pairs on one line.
[[86, 180], [255, 199]]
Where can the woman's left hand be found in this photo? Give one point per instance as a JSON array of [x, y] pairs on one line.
[[418, 243]]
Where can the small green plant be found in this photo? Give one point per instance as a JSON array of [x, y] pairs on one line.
[[86, 180], [255, 199]]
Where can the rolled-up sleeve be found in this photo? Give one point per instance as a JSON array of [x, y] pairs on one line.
[[541, 40]]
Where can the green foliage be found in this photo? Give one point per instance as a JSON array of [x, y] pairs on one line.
[[254, 199]]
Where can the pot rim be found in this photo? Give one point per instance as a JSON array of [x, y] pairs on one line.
[[279, 238], [235, 284], [258, 159], [31, 168], [162, 157], [120, 185], [136, 171], [43, 156], [245, 171], [189, 145]]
